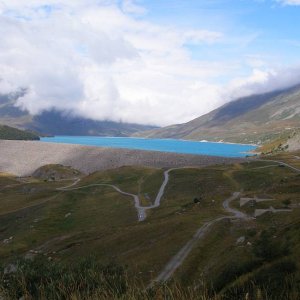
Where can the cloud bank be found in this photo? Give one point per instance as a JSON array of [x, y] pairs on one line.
[[290, 2], [102, 60]]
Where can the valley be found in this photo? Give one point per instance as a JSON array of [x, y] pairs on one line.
[[149, 150]]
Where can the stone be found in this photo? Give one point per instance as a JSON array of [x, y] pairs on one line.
[[240, 240]]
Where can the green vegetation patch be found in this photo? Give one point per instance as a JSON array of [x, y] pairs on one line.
[[10, 133], [65, 225]]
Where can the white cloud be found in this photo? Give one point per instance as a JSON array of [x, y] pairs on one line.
[[131, 7], [202, 36], [263, 81], [99, 60], [289, 2], [95, 60]]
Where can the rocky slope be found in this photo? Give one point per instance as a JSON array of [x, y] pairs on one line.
[[90, 159], [254, 119], [56, 172], [287, 141], [293, 142]]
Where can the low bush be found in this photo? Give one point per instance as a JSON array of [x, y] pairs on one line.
[[267, 247]]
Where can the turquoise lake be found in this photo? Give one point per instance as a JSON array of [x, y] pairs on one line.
[[165, 145]]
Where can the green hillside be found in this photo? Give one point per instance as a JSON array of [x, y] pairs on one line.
[[10, 133], [87, 234]]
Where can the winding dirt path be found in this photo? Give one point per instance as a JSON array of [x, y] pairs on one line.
[[179, 258], [281, 163], [70, 185], [141, 210]]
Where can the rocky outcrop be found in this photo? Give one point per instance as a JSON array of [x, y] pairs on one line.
[[293, 143], [55, 173]]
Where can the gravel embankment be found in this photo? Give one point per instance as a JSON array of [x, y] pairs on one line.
[[22, 158]]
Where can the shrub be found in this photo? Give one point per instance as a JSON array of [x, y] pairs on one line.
[[251, 232], [267, 248], [286, 202]]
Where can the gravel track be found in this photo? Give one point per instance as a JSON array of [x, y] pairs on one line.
[[141, 210], [177, 260]]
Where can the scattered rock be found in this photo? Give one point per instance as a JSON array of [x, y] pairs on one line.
[[55, 172], [11, 268], [240, 240], [29, 256], [7, 241]]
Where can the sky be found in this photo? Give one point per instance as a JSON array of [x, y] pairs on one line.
[[157, 62]]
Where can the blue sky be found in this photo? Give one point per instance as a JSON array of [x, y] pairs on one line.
[[265, 28], [146, 61]]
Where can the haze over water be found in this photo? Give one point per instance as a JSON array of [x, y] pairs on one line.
[[164, 145]]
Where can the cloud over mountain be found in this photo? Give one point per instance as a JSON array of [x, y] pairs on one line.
[[103, 60]]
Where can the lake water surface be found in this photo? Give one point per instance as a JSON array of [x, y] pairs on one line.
[[165, 145]]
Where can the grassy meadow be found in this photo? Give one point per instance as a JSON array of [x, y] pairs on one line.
[[55, 229]]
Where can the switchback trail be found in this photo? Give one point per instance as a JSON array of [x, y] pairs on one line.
[[179, 258], [141, 210]]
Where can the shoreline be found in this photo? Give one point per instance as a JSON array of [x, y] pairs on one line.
[[163, 139], [22, 158]]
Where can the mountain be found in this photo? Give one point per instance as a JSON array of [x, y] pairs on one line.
[[10, 133], [286, 141], [56, 122], [253, 119]]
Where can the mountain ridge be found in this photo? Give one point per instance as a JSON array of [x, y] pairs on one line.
[[253, 119], [56, 122]]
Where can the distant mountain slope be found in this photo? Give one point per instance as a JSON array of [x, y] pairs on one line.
[[287, 141], [59, 123], [253, 119], [10, 133]]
